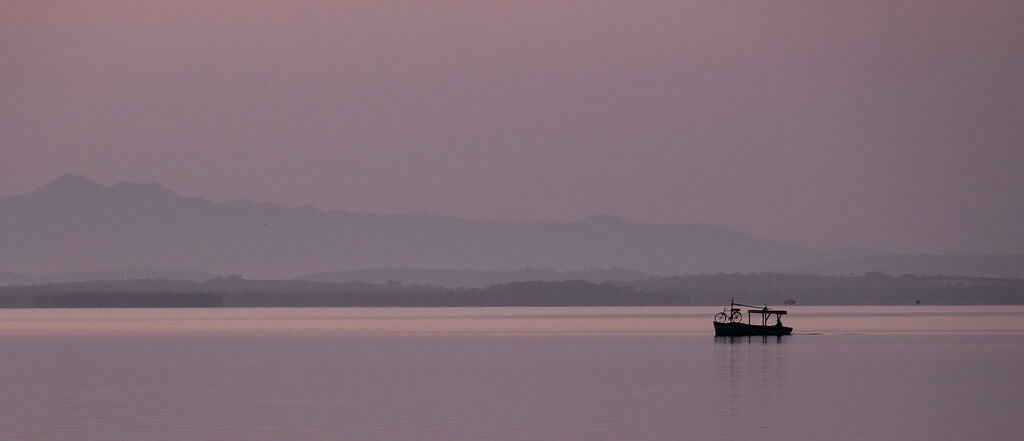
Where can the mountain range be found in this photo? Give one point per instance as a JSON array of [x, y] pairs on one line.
[[76, 225]]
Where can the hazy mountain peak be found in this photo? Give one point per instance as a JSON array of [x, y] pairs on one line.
[[69, 184], [72, 186]]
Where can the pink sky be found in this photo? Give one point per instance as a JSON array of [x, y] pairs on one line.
[[888, 125]]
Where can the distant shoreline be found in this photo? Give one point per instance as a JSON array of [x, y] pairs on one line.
[[695, 290]]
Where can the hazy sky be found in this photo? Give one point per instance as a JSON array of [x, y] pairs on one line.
[[894, 125]]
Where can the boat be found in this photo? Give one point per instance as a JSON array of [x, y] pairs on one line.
[[729, 322]]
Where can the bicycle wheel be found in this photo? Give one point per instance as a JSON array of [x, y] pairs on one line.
[[736, 316], [720, 317]]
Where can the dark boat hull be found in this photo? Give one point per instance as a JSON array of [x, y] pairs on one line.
[[740, 329]]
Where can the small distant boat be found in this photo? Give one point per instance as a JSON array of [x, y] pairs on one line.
[[729, 322]]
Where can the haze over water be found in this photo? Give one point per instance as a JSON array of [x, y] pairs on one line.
[[665, 137], [912, 373]]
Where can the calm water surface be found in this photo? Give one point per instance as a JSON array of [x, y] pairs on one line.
[[848, 373]]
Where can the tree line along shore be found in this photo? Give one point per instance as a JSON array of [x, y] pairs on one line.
[[704, 289]]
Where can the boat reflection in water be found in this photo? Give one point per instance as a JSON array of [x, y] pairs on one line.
[[729, 322], [748, 339]]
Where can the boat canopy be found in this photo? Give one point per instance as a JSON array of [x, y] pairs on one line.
[[765, 311]]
